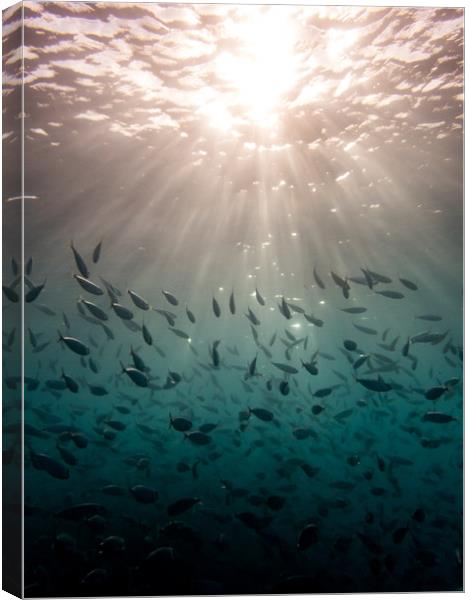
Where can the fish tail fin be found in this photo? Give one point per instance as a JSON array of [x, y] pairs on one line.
[[171, 420], [61, 338]]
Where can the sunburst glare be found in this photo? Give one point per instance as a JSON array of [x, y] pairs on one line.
[[264, 67]]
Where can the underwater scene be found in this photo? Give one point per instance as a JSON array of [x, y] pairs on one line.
[[242, 280]]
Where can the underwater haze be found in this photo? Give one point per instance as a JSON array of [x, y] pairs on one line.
[[243, 297]]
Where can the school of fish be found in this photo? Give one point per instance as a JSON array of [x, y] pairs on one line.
[[299, 461]]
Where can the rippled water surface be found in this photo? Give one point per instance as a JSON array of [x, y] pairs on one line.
[[272, 169]]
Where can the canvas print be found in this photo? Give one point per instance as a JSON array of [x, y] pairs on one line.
[[241, 279]]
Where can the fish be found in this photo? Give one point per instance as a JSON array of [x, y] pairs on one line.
[[180, 424], [302, 433], [437, 417], [408, 284], [285, 368], [80, 512], [259, 298], [369, 279], [96, 253], [43, 462], [71, 384], [311, 367], [350, 345], [295, 308], [182, 505], [138, 300], [170, 298], [97, 390], [81, 265], [138, 377], [170, 317], [40, 347], [363, 358], [344, 414], [75, 345], [146, 335], [406, 348], [284, 309], [89, 286], [207, 428], [314, 320], [375, 385], [367, 330], [214, 354], [55, 384], [66, 320], [400, 534], [10, 293], [32, 339], [144, 494], [326, 356], [68, 457], [378, 278], [34, 292], [251, 368], [122, 312], [190, 315], [198, 438], [436, 392], [429, 317], [391, 294], [179, 333], [216, 308], [318, 279], [115, 424], [261, 413], [419, 515], [14, 267], [354, 310], [342, 283], [310, 471], [113, 292], [323, 392], [307, 537], [95, 310], [232, 306], [252, 317]]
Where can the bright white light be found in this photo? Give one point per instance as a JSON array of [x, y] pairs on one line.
[[339, 40], [264, 67]]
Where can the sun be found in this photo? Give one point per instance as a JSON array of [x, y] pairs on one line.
[[263, 68]]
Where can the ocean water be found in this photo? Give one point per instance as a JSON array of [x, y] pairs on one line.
[[295, 162]]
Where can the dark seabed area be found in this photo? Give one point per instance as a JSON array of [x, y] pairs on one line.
[[243, 298]]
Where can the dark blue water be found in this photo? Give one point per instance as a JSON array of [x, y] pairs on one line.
[[214, 151]]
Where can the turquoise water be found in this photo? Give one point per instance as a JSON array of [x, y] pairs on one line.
[[312, 154]]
